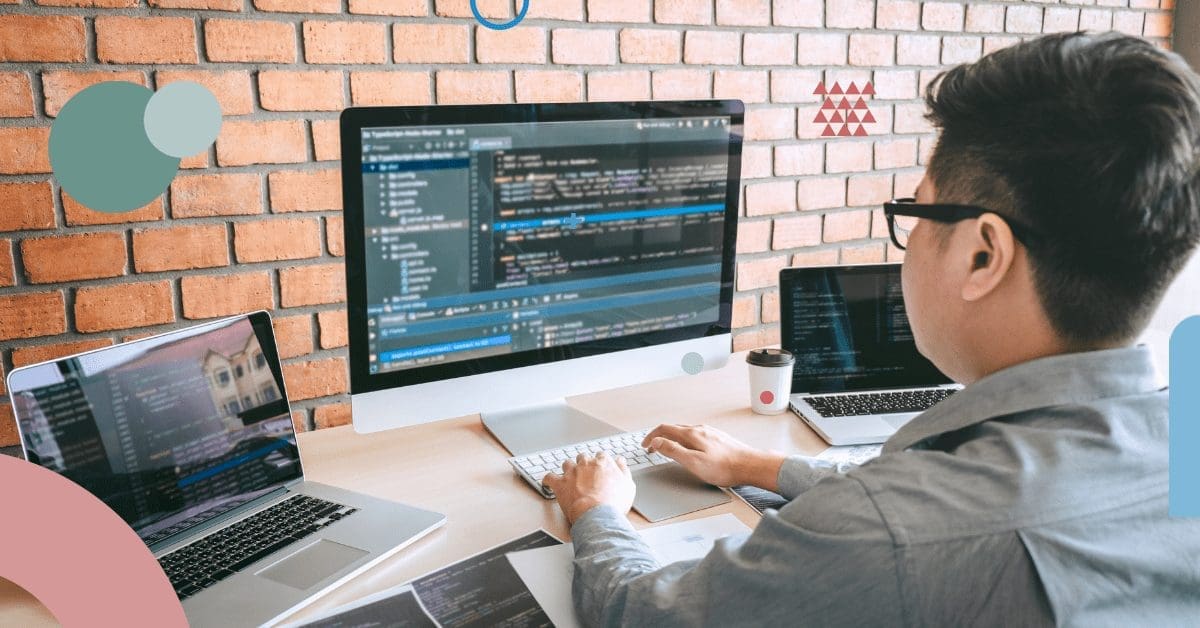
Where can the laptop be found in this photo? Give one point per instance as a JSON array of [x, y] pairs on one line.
[[188, 436], [858, 375]]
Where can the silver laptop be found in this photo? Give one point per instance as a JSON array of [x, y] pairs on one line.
[[188, 436], [858, 374]]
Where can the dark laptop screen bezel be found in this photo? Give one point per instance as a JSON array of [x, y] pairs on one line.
[[788, 280]]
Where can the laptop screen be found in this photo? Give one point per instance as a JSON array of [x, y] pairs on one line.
[[849, 331], [169, 431]]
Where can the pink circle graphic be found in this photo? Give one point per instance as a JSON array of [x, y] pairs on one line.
[[766, 397], [78, 557]]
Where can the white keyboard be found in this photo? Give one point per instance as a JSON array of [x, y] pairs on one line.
[[533, 467]]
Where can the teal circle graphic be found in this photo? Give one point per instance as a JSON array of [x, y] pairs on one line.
[[100, 153], [499, 26], [182, 119]]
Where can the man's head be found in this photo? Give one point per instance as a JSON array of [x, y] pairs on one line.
[[1093, 141]]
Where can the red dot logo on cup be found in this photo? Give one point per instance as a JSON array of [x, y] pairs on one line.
[[766, 397]]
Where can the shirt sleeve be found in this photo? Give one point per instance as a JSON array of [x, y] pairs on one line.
[[800, 473], [825, 558]]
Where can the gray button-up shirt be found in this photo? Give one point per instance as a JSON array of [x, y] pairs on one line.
[[1036, 495]]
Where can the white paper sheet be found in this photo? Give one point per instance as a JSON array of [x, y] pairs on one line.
[[851, 454], [548, 571]]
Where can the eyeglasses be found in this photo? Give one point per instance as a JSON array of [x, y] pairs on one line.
[[903, 214]]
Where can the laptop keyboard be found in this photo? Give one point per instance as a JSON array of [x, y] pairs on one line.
[[878, 403], [200, 565]]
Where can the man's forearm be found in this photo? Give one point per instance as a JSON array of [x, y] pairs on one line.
[[761, 469]]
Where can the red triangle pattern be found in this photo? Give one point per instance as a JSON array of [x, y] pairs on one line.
[[820, 90], [820, 117], [835, 109], [852, 117], [844, 131], [836, 118], [828, 132], [853, 89], [837, 89]]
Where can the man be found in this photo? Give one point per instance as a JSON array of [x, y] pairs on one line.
[[1038, 493]]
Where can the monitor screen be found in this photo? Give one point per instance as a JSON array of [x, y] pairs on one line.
[[486, 240], [169, 431], [849, 331]]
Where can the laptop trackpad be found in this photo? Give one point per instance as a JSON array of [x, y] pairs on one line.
[[312, 564], [668, 490], [897, 421]]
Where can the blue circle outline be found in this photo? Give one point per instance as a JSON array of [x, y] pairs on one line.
[[503, 25]]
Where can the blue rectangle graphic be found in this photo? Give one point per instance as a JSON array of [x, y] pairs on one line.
[[1184, 475]]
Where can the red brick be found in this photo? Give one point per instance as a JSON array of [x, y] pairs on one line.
[[16, 95], [473, 87], [24, 356], [293, 335], [1024, 19], [333, 329], [1128, 22], [180, 248], [407, 8], [333, 414], [73, 257], [643, 45], [1156, 25], [775, 123], [305, 190], [523, 44], [868, 49], [760, 273], [619, 85], [90, 4], [26, 206], [773, 49], [430, 43], [850, 13], [335, 236], [211, 5], [497, 10], [823, 257], [315, 378], [906, 182], [300, 420], [548, 86], [275, 240], [683, 11], [8, 273], [1062, 20], [799, 159], [745, 310], [961, 49], [121, 39], [42, 38], [345, 42], [389, 88], [1095, 19], [122, 306], [917, 49], [842, 226], [243, 143], [794, 85], [9, 437], [285, 90], [763, 337], [712, 48], [569, 10], [584, 46], [32, 314], [250, 41], [895, 84], [770, 198], [59, 86], [810, 13], [848, 156], [869, 253], [868, 189], [210, 296], [24, 149], [618, 10], [225, 194], [299, 6], [232, 89], [756, 161], [942, 16], [898, 153], [744, 12], [681, 84], [821, 192], [753, 236], [985, 18], [797, 231], [312, 285], [897, 15], [821, 49], [770, 307], [326, 138]]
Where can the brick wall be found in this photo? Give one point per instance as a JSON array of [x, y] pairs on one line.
[[255, 221]]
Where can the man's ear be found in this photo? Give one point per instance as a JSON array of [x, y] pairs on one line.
[[992, 248]]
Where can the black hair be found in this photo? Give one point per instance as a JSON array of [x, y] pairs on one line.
[[1094, 140]]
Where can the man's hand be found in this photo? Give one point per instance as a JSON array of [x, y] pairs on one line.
[[716, 457], [588, 482]]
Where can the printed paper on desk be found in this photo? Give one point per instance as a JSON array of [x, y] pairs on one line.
[[548, 571]]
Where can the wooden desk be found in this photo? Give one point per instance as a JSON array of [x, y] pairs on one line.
[[456, 467]]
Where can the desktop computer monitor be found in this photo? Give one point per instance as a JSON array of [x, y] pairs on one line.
[[502, 257]]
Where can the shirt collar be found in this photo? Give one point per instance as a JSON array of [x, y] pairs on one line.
[[1043, 382]]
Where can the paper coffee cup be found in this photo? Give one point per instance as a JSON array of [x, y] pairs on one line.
[[770, 379]]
